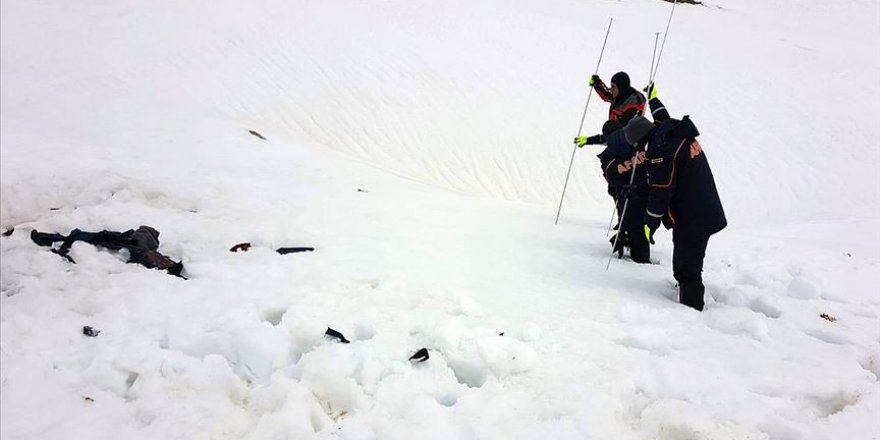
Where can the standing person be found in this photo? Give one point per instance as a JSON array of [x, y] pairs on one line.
[[626, 102], [682, 195], [617, 161]]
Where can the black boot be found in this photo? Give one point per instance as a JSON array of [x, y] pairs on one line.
[[691, 295]]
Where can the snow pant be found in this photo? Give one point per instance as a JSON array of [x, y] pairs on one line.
[[639, 248], [634, 239], [687, 268]]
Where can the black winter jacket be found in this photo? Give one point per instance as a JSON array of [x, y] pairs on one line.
[[617, 168], [628, 104], [682, 189]]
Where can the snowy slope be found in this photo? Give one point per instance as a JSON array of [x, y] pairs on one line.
[[454, 120]]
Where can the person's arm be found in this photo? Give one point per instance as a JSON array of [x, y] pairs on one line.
[[658, 111], [589, 140], [600, 88]]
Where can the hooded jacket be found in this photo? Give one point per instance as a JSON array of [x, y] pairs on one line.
[[682, 188], [629, 102]]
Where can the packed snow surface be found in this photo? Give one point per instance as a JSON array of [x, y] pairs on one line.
[[421, 148]]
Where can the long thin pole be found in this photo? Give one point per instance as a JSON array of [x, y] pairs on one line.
[[654, 69], [650, 72], [666, 34], [623, 214], [653, 56], [583, 117], [616, 203]]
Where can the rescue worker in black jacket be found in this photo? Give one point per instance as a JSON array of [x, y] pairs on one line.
[[620, 159], [682, 196], [626, 102]]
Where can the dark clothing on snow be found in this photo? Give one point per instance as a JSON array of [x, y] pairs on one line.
[[142, 245]]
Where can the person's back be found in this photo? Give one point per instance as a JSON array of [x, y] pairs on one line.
[[694, 208], [683, 196]]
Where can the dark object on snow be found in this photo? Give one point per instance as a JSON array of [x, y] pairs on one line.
[[88, 399], [501, 334], [90, 332], [291, 250], [240, 247], [335, 334], [362, 190], [256, 134], [420, 356], [8, 232], [140, 243], [828, 317]]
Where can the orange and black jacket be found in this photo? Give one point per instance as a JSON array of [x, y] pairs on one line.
[[628, 104], [682, 188]]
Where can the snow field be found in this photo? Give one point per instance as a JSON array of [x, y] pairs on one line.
[[420, 148]]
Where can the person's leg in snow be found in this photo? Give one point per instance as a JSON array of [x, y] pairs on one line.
[[639, 248], [687, 268]]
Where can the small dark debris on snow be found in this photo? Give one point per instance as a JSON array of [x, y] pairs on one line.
[[90, 332], [828, 317], [88, 399], [240, 247], [362, 190], [8, 232], [291, 250], [501, 334], [335, 334], [847, 254], [256, 134], [420, 356]]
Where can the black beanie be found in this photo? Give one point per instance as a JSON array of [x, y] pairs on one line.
[[610, 127], [636, 129], [621, 79]]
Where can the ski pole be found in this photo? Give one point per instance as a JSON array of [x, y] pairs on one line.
[[666, 34], [623, 214], [616, 203], [589, 95], [653, 57], [650, 72]]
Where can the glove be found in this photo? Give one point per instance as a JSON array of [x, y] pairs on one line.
[[651, 225], [595, 80], [650, 91], [649, 234], [580, 141]]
